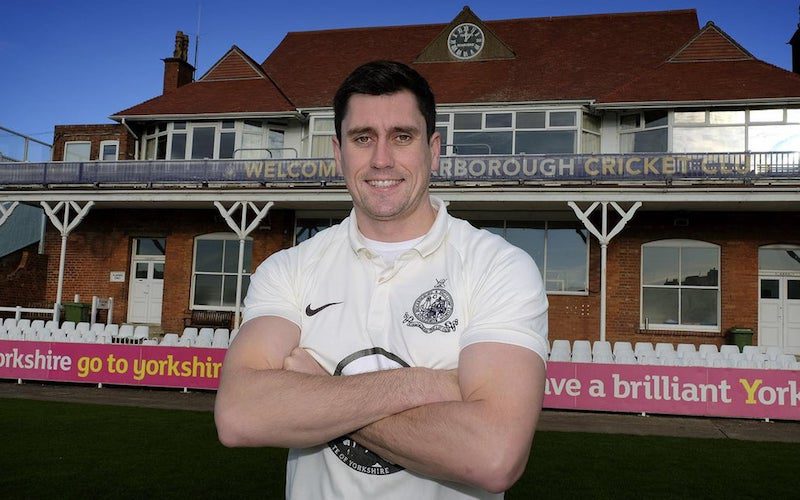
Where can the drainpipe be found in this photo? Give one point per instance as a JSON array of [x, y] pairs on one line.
[[136, 150]]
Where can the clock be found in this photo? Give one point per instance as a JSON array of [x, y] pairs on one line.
[[465, 41]]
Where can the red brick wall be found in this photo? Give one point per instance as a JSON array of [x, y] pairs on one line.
[[21, 276], [103, 243], [94, 134], [739, 237]]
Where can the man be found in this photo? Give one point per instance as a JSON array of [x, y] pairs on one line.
[[435, 331]]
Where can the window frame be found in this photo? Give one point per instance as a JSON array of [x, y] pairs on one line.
[[645, 325], [103, 144], [216, 237], [642, 127], [74, 143]]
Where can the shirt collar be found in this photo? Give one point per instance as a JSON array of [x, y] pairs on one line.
[[433, 238]]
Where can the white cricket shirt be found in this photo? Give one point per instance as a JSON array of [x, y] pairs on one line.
[[457, 286]]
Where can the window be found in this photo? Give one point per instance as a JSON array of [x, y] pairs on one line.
[[644, 132], [724, 131], [322, 133], [549, 132], [680, 285], [306, 227], [216, 257], [213, 140], [77, 151], [109, 150], [560, 249], [590, 134]]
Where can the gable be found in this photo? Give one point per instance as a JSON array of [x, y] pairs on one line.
[[234, 65], [459, 41], [711, 44]]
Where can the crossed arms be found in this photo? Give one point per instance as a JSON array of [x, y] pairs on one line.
[[473, 427]]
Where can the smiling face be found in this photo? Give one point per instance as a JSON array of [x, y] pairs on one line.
[[387, 159]]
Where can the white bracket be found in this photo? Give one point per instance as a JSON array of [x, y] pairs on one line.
[[604, 236], [243, 229], [6, 211], [66, 225]]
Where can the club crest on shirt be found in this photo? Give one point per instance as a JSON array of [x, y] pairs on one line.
[[432, 309]]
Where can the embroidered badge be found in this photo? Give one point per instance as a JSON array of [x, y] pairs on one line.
[[432, 309]]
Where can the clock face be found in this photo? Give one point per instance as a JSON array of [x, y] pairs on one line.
[[465, 41]]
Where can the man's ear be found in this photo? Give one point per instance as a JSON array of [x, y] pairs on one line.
[[436, 148]]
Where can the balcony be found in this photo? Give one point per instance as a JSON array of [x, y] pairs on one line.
[[619, 169]]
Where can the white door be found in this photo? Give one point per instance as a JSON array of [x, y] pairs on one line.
[[147, 292], [779, 313]]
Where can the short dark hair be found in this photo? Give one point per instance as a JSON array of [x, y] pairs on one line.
[[381, 78]]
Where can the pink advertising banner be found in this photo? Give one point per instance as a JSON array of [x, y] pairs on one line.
[[151, 366], [718, 392]]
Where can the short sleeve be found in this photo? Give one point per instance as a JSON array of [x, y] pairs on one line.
[[509, 304], [272, 290]]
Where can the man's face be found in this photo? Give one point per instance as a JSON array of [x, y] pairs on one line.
[[386, 160]]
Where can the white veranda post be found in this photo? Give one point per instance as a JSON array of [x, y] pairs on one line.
[[72, 215], [242, 228], [604, 237]]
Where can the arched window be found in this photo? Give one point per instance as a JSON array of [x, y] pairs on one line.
[[216, 257], [680, 285]]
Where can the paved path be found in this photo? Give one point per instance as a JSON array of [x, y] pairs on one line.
[[565, 421]]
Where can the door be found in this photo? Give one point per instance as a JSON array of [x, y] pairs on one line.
[[779, 313], [147, 292]]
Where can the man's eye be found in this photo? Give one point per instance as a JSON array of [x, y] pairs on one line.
[[362, 139], [403, 138]]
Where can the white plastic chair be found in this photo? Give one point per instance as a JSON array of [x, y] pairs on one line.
[[189, 332], [9, 322], [28, 334], [58, 336], [202, 341], [649, 359], [14, 333], [601, 348], [83, 327], [74, 337], [68, 326], [88, 337], [641, 349], [774, 352], [111, 330], [125, 333], [729, 351], [3, 334], [582, 356], [625, 358], [787, 362], [705, 350], [98, 328], [662, 348], [23, 323], [51, 325], [43, 334], [559, 345], [750, 350], [169, 340], [221, 338], [150, 342], [141, 332], [622, 348], [603, 358], [37, 324], [234, 333], [683, 349], [560, 356]]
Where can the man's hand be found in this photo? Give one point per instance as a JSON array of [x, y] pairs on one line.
[[301, 361]]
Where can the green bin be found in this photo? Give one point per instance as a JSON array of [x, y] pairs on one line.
[[77, 311], [740, 337]]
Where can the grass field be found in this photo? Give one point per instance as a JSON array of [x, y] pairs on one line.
[[62, 450]]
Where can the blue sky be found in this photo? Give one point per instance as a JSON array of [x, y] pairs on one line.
[[67, 62]]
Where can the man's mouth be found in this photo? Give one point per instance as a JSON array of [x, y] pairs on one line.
[[384, 183]]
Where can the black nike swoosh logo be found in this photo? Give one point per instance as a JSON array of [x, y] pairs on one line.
[[310, 312]]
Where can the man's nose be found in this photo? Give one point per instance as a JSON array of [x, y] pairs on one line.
[[382, 154]]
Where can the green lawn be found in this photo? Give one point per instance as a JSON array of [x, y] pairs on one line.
[[63, 450]]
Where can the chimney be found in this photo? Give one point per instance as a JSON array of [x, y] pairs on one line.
[[177, 71]]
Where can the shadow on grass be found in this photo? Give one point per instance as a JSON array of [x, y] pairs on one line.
[[66, 450]]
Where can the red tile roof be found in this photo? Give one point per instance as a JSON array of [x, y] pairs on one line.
[[610, 58], [576, 57]]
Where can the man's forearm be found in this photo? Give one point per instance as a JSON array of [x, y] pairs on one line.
[[283, 408]]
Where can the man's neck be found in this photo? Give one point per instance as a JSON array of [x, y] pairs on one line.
[[398, 230]]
